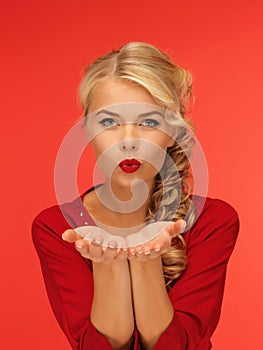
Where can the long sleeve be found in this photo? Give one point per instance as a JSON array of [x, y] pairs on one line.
[[196, 296], [68, 280], [198, 293]]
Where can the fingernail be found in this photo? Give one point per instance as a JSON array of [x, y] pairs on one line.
[[63, 238], [157, 249], [97, 240], [113, 245], [146, 250]]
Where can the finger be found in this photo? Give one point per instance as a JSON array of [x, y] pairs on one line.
[[160, 246], [82, 247], [110, 252], [166, 244], [176, 227], [140, 253], [141, 256], [70, 235], [144, 253], [122, 254], [157, 247], [131, 253], [146, 249], [154, 254], [158, 250], [95, 248], [139, 249]]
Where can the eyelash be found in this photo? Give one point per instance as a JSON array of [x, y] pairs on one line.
[[105, 121], [148, 123], [153, 123]]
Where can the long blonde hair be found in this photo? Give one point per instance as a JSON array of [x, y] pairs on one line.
[[170, 86]]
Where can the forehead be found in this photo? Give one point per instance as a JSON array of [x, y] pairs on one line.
[[118, 91], [129, 111]]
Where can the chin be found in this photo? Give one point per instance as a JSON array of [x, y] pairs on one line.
[[126, 180]]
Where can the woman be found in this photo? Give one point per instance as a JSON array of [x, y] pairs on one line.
[[161, 293]]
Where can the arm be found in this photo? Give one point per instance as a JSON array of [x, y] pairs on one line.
[[152, 306], [112, 312], [69, 282], [196, 297]]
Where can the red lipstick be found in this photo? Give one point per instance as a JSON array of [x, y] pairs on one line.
[[130, 165]]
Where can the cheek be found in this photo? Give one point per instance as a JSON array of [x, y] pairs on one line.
[[161, 139], [154, 156], [150, 170], [99, 145], [167, 141]]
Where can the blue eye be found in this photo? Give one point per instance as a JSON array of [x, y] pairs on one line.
[[151, 123], [108, 122]]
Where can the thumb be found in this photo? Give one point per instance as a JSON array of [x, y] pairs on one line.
[[70, 236], [177, 227]]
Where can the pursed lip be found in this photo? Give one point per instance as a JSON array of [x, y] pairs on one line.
[[130, 165]]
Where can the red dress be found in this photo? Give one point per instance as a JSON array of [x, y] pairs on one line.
[[196, 296]]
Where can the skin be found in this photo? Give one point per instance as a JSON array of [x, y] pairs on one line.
[[132, 277]]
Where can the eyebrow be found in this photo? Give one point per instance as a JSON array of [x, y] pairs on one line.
[[105, 111], [142, 115], [147, 114]]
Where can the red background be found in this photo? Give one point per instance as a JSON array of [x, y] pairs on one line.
[[44, 46]]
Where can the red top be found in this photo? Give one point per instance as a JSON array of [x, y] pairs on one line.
[[196, 296]]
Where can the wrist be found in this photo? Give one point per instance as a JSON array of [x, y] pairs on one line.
[[146, 265], [117, 265]]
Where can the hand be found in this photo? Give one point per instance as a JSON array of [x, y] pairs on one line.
[[159, 245], [94, 250]]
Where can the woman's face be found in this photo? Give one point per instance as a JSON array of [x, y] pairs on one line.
[[128, 132]]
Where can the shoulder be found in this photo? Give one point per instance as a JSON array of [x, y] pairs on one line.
[[48, 227], [49, 222], [48, 214], [58, 218], [214, 216], [54, 220], [215, 208]]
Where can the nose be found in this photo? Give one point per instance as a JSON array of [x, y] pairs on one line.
[[129, 145], [129, 141]]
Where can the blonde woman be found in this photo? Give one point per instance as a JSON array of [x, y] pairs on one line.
[[161, 293]]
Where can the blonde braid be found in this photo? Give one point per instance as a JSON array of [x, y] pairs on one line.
[[171, 201]]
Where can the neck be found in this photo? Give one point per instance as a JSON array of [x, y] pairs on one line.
[[125, 199], [120, 206]]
